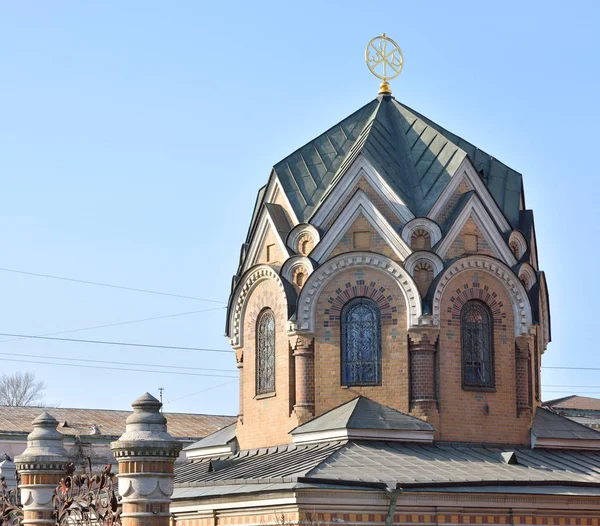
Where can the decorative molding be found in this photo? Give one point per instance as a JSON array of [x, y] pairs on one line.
[[422, 223], [466, 171], [293, 263], [527, 274], [520, 301], [305, 317], [360, 204], [517, 238], [474, 208], [389, 435], [274, 190], [264, 223], [423, 255], [242, 291], [544, 312], [361, 167], [298, 231]]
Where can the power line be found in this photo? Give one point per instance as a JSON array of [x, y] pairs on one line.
[[118, 323], [563, 391], [103, 342], [571, 368], [574, 386], [187, 367], [115, 368], [202, 391], [86, 282]]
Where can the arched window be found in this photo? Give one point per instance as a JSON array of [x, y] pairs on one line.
[[265, 353], [477, 353], [361, 343]]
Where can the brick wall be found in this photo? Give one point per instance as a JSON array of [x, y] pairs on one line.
[[478, 416], [344, 286], [266, 419]]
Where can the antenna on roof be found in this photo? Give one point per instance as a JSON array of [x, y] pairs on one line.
[[160, 390], [385, 60]]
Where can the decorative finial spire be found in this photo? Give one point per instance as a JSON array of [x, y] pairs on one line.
[[385, 60]]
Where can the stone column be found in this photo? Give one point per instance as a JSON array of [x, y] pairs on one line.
[[303, 352], [422, 348], [41, 466], [240, 366], [524, 348], [146, 454]]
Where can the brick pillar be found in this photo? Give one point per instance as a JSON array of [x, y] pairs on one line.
[[422, 348], [524, 348], [146, 454], [240, 366], [41, 466], [303, 352]]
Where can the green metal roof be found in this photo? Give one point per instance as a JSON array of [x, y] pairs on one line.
[[415, 156]]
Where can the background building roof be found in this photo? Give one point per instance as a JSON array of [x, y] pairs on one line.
[[584, 403], [82, 422]]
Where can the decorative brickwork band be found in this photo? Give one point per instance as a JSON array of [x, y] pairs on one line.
[[524, 347], [303, 352], [41, 467], [146, 454], [422, 349]]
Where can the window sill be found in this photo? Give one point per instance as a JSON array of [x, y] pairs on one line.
[[265, 395], [474, 388], [359, 385]]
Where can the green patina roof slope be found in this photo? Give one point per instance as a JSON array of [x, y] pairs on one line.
[[414, 155]]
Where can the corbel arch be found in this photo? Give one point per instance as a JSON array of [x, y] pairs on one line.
[[237, 305], [305, 316], [520, 301]]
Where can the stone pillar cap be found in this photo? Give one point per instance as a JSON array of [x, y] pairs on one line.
[[44, 441], [146, 425]]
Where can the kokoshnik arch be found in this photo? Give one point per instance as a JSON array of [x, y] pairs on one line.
[[389, 317]]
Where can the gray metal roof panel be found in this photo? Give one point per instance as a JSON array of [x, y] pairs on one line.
[[547, 424], [219, 438]]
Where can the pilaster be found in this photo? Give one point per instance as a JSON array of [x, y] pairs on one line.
[[146, 454], [303, 352], [240, 366], [41, 466], [524, 349], [422, 342]]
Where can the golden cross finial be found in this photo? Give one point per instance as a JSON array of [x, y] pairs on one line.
[[385, 60]]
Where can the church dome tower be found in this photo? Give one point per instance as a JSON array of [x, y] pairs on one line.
[[391, 260]]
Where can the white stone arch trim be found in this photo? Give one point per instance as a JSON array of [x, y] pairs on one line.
[[423, 255], [423, 223], [290, 266], [520, 301], [298, 231], [238, 302], [528, 274], [305, 316], [517, 237], [544, 312], [360, 204]]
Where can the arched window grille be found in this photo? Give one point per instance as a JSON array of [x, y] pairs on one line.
[[265, 353], [476, 326], [361, 343]]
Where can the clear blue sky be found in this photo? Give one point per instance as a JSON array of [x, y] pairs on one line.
[[134, 136]]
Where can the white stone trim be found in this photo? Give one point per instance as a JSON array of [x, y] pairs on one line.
[[466, 171], [298, 231], [208, 452], [527, 273], [361, 167], [390, 435], [474, 208], [544, 312], [520, 240], [274, 189], [305, 317], [564, 443], [423, 255], [422, 223], [520, 301], [290, 266], [360, 204], [265, 223], [238, 302]]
